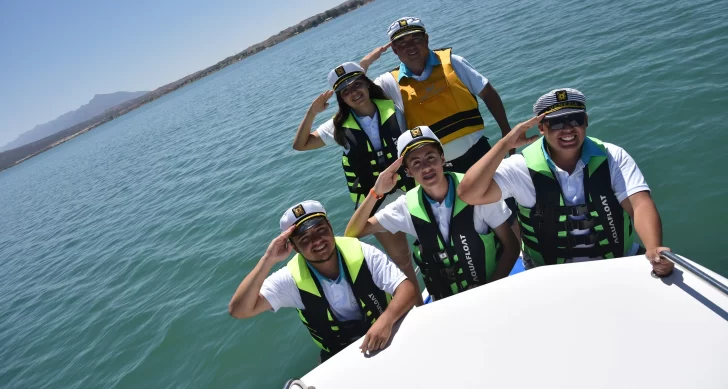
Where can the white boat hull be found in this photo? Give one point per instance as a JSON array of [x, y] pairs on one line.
[[602, 324]]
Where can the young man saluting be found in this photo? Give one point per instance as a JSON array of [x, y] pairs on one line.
[[462, 246], [342, 288], [577, 196]]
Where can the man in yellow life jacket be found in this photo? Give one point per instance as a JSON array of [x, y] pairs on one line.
[[438, 89], [579, 198], [343, 289]]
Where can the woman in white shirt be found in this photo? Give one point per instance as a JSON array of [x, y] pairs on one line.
[[366, 126]]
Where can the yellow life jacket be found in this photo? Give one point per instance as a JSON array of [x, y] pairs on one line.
[[442, 102]]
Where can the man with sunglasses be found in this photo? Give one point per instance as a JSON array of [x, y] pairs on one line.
[[577, 196], [343, 289]]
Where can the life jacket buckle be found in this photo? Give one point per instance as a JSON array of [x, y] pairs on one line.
[[575, 240], [448, 273], [579, 210]]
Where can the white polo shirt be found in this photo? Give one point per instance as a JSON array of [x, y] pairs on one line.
[[281, 291], [396, 217], [514, 180], [370, 125], [473, 80]]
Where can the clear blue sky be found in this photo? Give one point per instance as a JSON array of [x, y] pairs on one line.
[[56, 55]]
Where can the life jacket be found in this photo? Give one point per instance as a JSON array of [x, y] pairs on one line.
[[329, 333], [546, 226], [466, 260], [362, 164], [441, 102]]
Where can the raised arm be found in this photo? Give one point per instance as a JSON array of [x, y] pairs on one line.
[[305, 140], [361, 224], [373, 56], [648, 225], [478, 186], [247, 300]]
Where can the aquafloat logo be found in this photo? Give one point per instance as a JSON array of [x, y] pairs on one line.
[[376, 302], [469, 259], [610, 219]]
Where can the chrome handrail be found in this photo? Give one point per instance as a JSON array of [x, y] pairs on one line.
[[298, 384], [694, 269]]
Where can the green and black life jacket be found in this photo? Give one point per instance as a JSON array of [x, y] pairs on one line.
[[545, 226], [467, 260], [329, 333], [362, 164]]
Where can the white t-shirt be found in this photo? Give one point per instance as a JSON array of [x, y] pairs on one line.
[[370, 125], [395, 217], [281, 291], [473, 80], [514, 181]]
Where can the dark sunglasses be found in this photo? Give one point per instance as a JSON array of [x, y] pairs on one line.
[[559, 122]]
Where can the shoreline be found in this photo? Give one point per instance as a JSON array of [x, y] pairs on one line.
[[12, 157]]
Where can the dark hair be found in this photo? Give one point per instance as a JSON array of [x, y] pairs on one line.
[[375, 92]]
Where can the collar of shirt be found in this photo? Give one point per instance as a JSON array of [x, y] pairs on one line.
[[327, 279], [432, 60], [366, 120], [588, 150], [450, 198]]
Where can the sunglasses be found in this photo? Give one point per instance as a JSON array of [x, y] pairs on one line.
[[559, 122]]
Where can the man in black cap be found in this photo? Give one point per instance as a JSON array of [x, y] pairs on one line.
[[577, 196], [343, 289]]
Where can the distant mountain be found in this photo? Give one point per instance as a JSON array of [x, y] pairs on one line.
[[98, 105], [12, 154]]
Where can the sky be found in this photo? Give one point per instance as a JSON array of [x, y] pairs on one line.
[[56, 55]]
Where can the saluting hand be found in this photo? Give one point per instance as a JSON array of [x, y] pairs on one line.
[[280, 248], [388, 178], [320, 103], [373, 56], [517, 137]]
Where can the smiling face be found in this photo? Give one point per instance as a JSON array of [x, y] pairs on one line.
[[356, 94], [412, 50], [316, 244], [425, 165], [565, 134]]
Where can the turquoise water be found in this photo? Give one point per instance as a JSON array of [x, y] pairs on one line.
[[120, 249]]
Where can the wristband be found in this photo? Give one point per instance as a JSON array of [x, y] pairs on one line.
[[373, 193]]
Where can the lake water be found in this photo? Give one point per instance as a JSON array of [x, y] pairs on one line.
[[120, 249]]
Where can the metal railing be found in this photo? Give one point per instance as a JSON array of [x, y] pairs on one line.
[[694, 269]]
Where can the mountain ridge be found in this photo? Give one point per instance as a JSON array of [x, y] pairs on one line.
[[100, 103]]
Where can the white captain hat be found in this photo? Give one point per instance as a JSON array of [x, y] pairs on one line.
[[414, 139], [560, 102], [344, 74], [405, 26], [303, 215]]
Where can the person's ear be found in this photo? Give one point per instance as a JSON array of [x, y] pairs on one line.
[[290, 241]]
